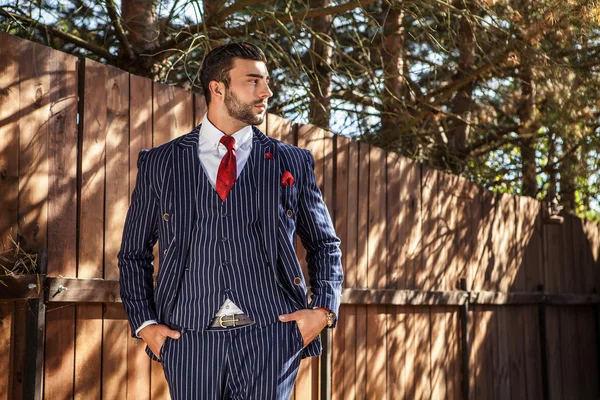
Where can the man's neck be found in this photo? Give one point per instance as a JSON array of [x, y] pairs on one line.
[[224, 122]]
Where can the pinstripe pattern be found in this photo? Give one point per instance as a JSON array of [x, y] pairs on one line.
[[199, 364], [233, 261], [162, 208]]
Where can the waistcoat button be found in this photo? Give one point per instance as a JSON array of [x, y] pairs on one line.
[[289, 213], [166, 216]]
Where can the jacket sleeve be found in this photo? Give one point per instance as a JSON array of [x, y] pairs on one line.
[[135, 256], [322, 246]]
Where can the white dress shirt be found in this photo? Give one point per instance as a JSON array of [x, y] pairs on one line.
[[210, 153]]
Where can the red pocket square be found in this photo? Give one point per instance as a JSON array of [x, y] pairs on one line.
[[287, 179]]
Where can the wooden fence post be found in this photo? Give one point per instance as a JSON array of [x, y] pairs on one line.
[[543, 345], [35, 322], [465, 349], [326, 375]]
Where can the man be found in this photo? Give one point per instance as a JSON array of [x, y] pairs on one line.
[[229, 316]]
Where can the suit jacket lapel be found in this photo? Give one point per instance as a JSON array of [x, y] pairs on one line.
[[266, 170], [186, 168]]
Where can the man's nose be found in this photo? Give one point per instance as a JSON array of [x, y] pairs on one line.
[[265, 92]]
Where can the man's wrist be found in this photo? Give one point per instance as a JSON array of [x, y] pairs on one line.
[[330, 315]]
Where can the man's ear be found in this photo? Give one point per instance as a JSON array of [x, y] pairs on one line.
[[216, 88]]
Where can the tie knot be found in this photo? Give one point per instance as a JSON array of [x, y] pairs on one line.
[[228, 142]]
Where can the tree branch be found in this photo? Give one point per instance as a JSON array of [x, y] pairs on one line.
[[112, 12], [58, 33], [169, 46]]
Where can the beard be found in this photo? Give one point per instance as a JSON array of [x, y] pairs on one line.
[[243, 112]]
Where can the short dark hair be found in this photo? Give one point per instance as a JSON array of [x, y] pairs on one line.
[[219, 61]]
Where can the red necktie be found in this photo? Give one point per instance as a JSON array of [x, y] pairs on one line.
[[227, 173]]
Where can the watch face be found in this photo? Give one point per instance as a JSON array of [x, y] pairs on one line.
[[330, 318]]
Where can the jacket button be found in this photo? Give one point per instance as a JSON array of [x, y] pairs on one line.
[[166, 216], [289, 213], [165, 252], [297, 281]]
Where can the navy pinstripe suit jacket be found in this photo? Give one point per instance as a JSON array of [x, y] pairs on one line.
[[162, 208]]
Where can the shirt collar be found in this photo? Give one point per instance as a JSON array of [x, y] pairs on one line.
[[210, 135]]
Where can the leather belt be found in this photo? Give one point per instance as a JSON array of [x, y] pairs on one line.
[[230, 321]]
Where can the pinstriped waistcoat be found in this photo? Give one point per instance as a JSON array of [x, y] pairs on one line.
[[231, 262]]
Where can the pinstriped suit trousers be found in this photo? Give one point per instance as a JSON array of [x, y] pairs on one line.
[[251, 362]]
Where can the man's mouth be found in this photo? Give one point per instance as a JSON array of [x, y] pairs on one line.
[[262, 106]]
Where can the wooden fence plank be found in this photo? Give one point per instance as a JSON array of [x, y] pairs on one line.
[[60, 352], [304, 381], [476, 342], [431, 275], [505, 327], [88, 337], [116, 167], [422, 334], [553, 257], [529, 243], [447, 215], [481, 266], [173, 113], [352, 233], [6, 347], [396, 350], [93, 150], [349, 329], [9, 138], [376, 352], [411, 224], [504, 269], [581, 268], [114, 352], [440, 354], [453, 340], [34, 111], [138, 370], [140, 137], [591, 248], [516, 352], [531, 339], [62, 146], [458, 225], [569, 274], [362, 249], [140, 122], [569, 354], [361, 352], [396, 277], [158, 384], [587, 346], [280, 129], [553, 350], [88, 349], [483, 353], [115, 327], [340, 209], [337, 358], [377, 255]]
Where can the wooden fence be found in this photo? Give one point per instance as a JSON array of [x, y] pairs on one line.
[[450, 292]]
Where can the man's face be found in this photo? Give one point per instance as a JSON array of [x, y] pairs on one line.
[[248, 92]]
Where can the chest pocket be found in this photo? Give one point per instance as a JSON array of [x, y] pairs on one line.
[[289, 200]]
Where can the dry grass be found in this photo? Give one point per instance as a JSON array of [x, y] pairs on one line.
[[15, 261]]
